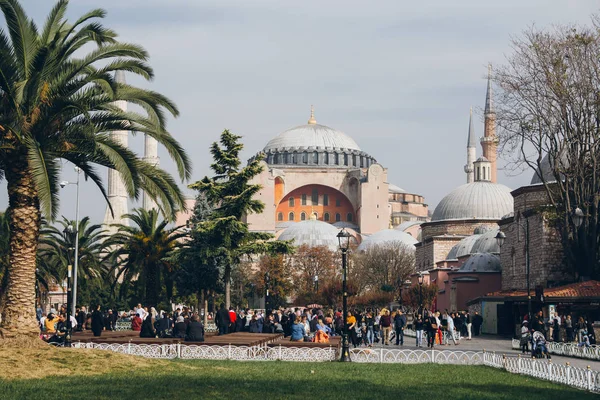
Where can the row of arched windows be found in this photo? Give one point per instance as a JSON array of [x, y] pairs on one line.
[[326, 216], [314, 200], [328, 159]]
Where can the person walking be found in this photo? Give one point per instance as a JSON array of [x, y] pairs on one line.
[[450, 329], [525, 337], [569, 328], [223, 320], [419, 330], [386, 326], [432, 327], [97, 321], [399, 325], [469, 324]]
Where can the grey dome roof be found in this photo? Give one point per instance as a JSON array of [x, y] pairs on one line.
[[311, 136], [312, 233], [462, 248], [481, 229], [387, 236], [487, 243], [407, 224], [546, 170], [476, 200], [482, 263]]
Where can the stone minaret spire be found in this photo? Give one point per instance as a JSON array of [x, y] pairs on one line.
[[471, 150], [117, 195], [151, 157], [489, 141]]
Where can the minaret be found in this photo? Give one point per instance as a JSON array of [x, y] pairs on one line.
[[151, 157], [117, 195], [471, 150], [489, 141]]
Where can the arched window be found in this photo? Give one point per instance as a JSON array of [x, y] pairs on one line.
[[349, 217], [325, 199], [326, 158], [276, 158], [345, 159], [338, 202], [338, 217], [326, 217], [280, 216], [291, 216], [303, 216], [304, 199], [315, 197], [291, 202], [315, 157], [337, 159], [305, 158]]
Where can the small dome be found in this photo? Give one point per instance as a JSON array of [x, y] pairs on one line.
[[312, 233], [407, 224], [487, 243], [462, 248], [311, 136], [480, 230], [476, 200], [482, 159], [482, 263], [387, 236]]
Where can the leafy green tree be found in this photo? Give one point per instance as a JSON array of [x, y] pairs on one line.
[[58, 104], [143, 254], [227, 236]]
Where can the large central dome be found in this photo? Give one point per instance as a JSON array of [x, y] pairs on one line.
[[313, 136], [315, 145]]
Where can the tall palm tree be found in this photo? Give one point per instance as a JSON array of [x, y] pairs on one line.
[[57, 96], [143, 254], [57, 245]]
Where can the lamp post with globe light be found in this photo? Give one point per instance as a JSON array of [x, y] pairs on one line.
[[344, 243]]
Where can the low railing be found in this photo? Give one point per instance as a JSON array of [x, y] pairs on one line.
[[567, 349], [581, 378]]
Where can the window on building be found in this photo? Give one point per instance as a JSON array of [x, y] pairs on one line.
[[315, 197], [338, 217], [325, 199], [315, 157], [337, 159], [291, 202], [326, 217], [303, 216], [483, 174], [305, 158], [349, 217], [280, 216], [345, 159], [338, 202], [304, 199], [291, 216], [326, 158]]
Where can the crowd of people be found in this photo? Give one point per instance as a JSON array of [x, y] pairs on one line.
[[557, 328]]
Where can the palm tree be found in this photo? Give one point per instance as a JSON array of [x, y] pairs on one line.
[[143, 254], [58, 95], [57, 246]]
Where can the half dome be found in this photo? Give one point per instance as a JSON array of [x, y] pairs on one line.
[[312, 233], [487, 243], [482, 263], [476, 200], [387, 236], [462, 248]]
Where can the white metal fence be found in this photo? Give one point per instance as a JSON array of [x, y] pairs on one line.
[[567, 349]]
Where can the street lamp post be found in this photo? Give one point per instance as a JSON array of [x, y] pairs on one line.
[[68, 231], [267, 278], [420, 279], [316, 279], [344, 242], [76, 267]]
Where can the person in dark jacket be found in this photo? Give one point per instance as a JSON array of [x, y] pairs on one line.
[[97, 321], [180, 328], [148, 328], [163, 325], [109, 321], [195, 330], [399, 325], [223, 320]]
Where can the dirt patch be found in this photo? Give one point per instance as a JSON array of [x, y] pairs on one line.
[[40, 362]]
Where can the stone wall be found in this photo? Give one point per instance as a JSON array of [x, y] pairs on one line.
[[545, 248]]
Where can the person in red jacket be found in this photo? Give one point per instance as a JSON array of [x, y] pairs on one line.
[[136, 323], [232, 319]]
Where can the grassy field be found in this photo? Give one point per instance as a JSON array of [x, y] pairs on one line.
[[102, 375]]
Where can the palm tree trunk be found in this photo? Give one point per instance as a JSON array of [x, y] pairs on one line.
[[18, 311]]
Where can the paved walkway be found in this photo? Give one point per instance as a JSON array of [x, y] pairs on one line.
[[498, 344]]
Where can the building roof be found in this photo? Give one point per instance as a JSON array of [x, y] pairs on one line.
[[462, 248], [407, 224], [487, 243], [312, 233], [312, 136], [395, 189], [482, 262], [387, 236], [579, 289], [477, 200]]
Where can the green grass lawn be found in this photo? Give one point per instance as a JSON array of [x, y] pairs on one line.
[[281, 380]]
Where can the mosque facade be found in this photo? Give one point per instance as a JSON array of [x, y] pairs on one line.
[[316, 173]]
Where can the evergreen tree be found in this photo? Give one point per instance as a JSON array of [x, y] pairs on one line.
[[227, 235]]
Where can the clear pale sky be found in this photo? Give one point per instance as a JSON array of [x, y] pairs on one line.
[[399, 77]]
